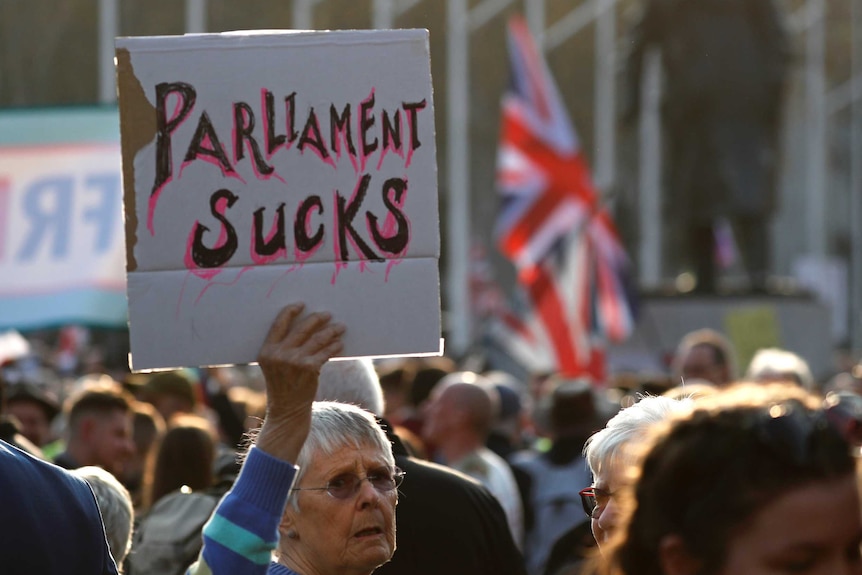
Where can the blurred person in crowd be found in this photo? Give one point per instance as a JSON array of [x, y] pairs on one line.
[[756, 479], [10, 428], [440, 508], [550, 481], [115, 507], [848, 381], [99, 428], [171, 392], [507, 432], [610, 451], [183, 458], [459, 416], [334, 511], [692, 388], [705, 354], [429, 372], [774, 365], [51, 522], [148, 427], [396, 380], [35, 409], [250, 404]]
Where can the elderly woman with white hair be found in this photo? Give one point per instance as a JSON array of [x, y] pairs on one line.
[[115, 507], [332, 513], [609, 451]]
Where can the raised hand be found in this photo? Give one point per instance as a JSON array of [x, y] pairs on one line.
[[291, 357]]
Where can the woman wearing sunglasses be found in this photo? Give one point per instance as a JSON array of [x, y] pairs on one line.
[[332, 514], [757, 479], [609, 451]]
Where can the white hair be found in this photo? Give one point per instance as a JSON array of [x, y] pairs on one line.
[[337, 425], [115, 506], [774, 363], [351, 381], [606, 445]]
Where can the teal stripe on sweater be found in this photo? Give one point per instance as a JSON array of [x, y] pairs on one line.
[[239, 540]]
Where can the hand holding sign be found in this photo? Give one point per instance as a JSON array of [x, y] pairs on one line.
[[291, 357]]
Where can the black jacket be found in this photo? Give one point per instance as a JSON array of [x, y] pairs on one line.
[[448, 524]]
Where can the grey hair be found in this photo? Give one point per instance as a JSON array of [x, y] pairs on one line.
[[351, 381], [774, 363], [608, 444], [337, 425], [115, 506]]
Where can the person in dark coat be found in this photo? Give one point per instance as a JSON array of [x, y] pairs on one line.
[[447, 522], [51, 523], [725, 63]]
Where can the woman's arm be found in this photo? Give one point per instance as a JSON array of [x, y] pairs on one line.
[[242, 533]]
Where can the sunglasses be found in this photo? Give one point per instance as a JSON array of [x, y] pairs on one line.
[[346, 485], [594, 500], [792, 432]]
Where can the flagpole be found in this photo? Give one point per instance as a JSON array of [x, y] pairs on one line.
[[383, 14], [457, 320], [302, 14], [649, 172], [108, 26], [196, 16], [605, 97], [855, 179], [815, 82], [535, 13]]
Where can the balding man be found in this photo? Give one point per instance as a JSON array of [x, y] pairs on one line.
[[460, 415]]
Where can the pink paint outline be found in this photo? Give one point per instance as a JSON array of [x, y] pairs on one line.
[[266, 134], [298, 254], [212, 160], [294, 267], [156, 194], [388, 228], [399, 151], [289, 128], [250, 155], [263, 260], [211, 283], [326, 160], [364, 157], [410, 147], [205, 273], [336, 143]]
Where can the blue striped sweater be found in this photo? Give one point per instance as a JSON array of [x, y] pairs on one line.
[[242, 533]]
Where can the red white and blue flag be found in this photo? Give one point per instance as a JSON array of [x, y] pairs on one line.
[[566, 249]]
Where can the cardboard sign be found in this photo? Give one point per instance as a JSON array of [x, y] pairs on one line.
[[268, 168]]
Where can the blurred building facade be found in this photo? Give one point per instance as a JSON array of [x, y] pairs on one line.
[[58, 53]]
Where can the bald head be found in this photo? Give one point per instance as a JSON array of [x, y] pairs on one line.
[[471, 395]]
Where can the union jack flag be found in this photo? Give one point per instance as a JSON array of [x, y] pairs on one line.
[[564, 244]]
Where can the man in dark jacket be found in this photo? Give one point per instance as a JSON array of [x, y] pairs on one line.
[[51, 523]]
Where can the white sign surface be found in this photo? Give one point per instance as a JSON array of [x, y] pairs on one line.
[[263, 169]]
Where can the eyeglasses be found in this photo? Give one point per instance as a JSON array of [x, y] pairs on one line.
[[594, 500], [346, 485]]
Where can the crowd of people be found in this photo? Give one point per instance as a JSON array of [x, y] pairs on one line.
[[305, 466]]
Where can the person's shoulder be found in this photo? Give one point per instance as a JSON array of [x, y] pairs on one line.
[[459, 488], [421, 470]]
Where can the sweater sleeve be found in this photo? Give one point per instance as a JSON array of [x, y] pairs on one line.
[[242, 533]]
